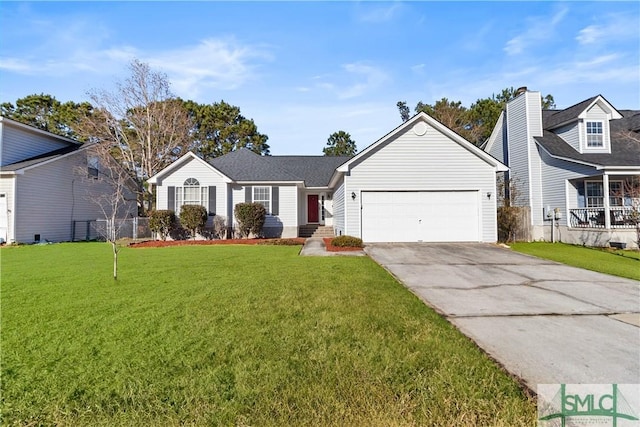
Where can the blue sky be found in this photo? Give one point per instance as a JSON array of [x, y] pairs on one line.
[[303, 70]]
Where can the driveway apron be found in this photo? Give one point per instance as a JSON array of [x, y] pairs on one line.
[[546, 323]]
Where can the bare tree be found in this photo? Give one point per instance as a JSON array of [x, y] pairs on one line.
[[110, 189], [142, 123]]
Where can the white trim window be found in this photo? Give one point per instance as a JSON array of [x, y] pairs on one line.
[[262, 195], [191, 193], [595, 134], [594, 191]]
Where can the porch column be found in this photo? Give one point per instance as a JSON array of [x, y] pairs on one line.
[[607, 212]]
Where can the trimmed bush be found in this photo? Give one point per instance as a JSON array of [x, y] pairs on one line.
[[162, 222], [347, 242], [250, 217], [193, 218]]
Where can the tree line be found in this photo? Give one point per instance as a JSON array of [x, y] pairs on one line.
[[475, 123]]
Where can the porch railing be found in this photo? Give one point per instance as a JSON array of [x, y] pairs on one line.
[[620, 217]]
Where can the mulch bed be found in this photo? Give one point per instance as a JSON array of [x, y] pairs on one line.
[[329, 247], [160, 243], [297, 240]]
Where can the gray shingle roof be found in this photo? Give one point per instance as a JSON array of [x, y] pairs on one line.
[[245, 165], [625, 143], [553, 118]]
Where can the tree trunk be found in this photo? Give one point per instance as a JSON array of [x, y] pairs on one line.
[[115, 260]]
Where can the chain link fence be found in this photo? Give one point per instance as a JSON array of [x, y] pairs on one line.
[[99, 229]]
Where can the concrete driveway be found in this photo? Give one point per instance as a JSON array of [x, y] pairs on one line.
[[545, 322]]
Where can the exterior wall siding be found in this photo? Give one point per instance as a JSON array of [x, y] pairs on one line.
[[52, 196], [204, 175], [496, 140], [6, 187], [518, 145], [570, 134], [338, 209], [19, 144], [429, 162], [554, 187], [285, 224], [534, 120], [598, 114]]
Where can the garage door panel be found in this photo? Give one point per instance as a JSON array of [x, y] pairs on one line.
[[427, 216]]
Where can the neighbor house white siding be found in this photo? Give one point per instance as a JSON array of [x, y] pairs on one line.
[[570, 133], [496, 141], [557, 194], [431, 162], [53, 195], [518, 145], [596, 113], [19, 142], [6, 187]]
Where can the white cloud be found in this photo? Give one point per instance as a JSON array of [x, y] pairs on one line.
[[539, 29], [615, 27], [370, 77], [212, 63], [378, 14]]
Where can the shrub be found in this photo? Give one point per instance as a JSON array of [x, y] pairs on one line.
[[219, 226], [162, 222], [250, 218], [193, 218], [347, 242]]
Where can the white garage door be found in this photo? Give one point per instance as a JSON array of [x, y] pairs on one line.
[[420, 216]]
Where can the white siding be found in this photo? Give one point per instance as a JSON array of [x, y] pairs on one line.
[[534, 120], [6, 187], [570, 134], [518, 145], [52, 196], [204, 174], [431, 162], [596, 113], [286, 222], [557, 173], [496, 140], [338, 208], [17, 144]]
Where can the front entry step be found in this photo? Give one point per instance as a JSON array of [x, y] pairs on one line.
[[315, 230]]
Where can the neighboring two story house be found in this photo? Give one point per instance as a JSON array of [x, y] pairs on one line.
[[47, 183], [577, 168]]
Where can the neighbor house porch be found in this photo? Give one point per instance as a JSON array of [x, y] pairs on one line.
[[606, 202]]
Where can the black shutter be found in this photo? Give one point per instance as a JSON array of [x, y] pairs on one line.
[[212, 200], [275, 200], [171, 198], [248, 196]]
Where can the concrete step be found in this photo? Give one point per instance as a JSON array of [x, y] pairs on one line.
[[315, 231]]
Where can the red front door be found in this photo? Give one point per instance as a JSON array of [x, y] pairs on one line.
[[312, 208]]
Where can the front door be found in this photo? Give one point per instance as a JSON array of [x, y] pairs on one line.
[[312, 208]]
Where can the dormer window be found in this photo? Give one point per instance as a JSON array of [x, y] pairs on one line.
[[595, 135]]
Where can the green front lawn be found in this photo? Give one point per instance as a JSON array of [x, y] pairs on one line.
[[616, 262], [233, 335]]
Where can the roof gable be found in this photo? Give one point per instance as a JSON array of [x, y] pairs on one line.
[[181, 161], [415, 121], [557, 118]]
